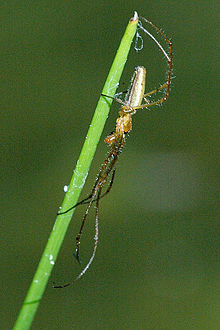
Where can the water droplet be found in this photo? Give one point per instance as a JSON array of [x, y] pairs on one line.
[[65, 188]]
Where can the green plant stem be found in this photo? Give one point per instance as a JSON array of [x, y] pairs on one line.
[[60, 227]]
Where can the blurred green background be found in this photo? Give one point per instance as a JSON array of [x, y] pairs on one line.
[[157, 265]]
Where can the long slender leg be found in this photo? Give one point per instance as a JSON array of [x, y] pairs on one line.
[[82, 225], [110, 185], [169, 60], [156, 90], [95, 238], [153, 92], [130, 109], [94, 248], [114, 98], [84, 201]]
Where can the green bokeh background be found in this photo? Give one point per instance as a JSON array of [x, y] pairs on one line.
[[157, 265]]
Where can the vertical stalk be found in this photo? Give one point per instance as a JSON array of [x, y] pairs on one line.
[[60, 227]]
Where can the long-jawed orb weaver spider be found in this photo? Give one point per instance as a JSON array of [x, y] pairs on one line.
[[116, 140]]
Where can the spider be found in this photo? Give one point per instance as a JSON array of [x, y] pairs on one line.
[[116, 140]]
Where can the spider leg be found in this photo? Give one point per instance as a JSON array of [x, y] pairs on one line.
[[96, 238], [94, 248], [169, 60], [156, 90], [76, 254], [119, 101], [114, 98], [84, 201], [110, 185]]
